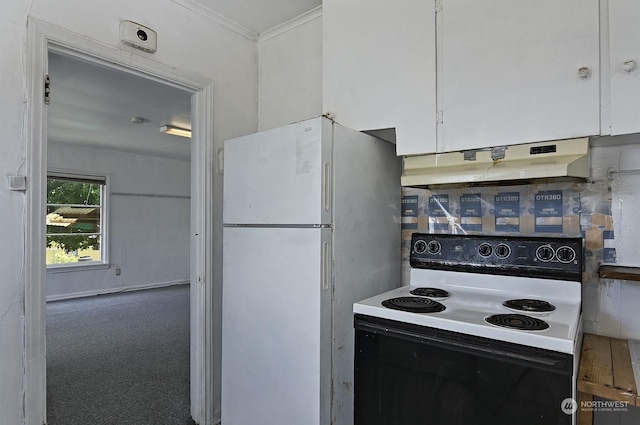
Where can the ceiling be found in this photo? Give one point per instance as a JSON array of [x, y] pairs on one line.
[[94, 105]]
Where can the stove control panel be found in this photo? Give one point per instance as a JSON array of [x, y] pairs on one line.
[[553, 258]]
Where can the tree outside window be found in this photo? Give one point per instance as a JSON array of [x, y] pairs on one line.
[[75, 206]]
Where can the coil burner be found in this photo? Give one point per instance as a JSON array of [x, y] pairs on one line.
[[530, 305], [517, 321], [414, 305], [430, 292]]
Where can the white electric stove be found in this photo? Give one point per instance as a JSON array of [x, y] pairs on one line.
[[473, 297], [508, 308]]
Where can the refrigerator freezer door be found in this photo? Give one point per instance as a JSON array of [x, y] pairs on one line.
[[280, 176], [276, 343]]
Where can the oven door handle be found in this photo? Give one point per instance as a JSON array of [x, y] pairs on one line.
[[497, 352], [468, 344]]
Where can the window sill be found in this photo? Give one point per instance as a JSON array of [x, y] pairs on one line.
[[77, 267]]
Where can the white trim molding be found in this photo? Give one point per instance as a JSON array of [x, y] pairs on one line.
[[94, 292], [291, 24], [218, 18], [198, 8]]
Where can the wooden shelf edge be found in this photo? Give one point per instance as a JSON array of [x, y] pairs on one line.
[[619, 272]]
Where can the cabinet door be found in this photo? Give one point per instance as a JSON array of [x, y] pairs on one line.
[[510, 71], [379, 68], [624, 39]]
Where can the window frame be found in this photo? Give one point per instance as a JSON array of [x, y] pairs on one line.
[[104, 180]]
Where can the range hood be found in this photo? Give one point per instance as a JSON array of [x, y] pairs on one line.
[[500, 165]]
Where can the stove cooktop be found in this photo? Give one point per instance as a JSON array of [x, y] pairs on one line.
[[475, 297]]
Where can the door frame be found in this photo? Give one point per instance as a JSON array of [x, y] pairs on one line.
[[43, 38]]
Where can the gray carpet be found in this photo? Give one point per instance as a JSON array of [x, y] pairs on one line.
[[119, 359]]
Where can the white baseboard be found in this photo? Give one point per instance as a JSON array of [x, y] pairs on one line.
[[115, 290]]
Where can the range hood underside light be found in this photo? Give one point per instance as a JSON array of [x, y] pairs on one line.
[[176, 131], [558, 160]]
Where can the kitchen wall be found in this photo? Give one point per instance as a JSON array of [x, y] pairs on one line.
[[187, 40], [148, 231], [290, 72], [617, 302], [614, 304]]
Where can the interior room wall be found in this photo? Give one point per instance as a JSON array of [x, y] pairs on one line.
[[291, 72], [187, 40], [12, 225], [617, 313], [148, 222]]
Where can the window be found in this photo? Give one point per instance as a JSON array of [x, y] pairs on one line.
[[76, 219]]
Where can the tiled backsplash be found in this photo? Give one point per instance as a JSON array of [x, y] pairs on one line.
[[554, 209]]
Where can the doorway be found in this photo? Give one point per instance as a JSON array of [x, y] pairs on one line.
[[118, 201], [44, 39]]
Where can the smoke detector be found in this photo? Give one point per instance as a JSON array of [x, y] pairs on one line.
[[136, 35]]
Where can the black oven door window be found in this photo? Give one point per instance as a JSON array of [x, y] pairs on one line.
[[412, 375]]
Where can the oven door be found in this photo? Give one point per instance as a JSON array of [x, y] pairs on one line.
[[415, 375]]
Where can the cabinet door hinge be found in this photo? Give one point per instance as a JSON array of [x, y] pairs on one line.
[[439, 117], [438, 5], [47, 89]]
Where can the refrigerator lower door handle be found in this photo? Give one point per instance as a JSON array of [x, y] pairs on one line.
[[325, 266]]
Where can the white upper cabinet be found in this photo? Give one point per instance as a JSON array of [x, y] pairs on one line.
[[379, 68], [624, 54], [516, 71]]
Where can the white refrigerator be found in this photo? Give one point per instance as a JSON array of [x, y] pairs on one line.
[[312, 225]]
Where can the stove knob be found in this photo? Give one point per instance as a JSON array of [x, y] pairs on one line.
[[420, 247], [485, 250], [434, 247], [503, 250], [565, 254], [544, 253]]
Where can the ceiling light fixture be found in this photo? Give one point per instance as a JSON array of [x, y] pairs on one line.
[[175, 131]]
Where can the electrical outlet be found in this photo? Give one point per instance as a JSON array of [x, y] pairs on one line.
[[118, 271]]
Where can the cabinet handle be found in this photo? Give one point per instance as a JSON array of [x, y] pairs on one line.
[[629, 65], [584, 72]]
